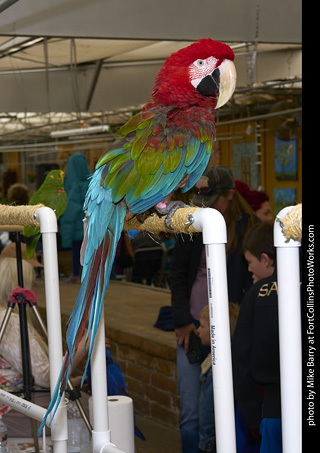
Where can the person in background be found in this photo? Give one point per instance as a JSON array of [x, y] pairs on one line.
[[10, 346], [4, 239], [257, 199], [206, 405], [11, 368], [255, 344], [18, 194], [188, 284], [71, 222]]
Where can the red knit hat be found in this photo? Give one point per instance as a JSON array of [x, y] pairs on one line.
[[254, 198]]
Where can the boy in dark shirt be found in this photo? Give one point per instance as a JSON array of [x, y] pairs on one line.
[[255, 344]]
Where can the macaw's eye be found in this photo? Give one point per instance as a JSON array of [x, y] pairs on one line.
[[199, 63]]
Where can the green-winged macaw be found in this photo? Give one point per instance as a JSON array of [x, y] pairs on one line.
[[167, 144]]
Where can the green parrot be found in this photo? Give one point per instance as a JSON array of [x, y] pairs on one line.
[[51, 193]]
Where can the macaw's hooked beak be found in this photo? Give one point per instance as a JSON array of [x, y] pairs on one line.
[[221, 82]]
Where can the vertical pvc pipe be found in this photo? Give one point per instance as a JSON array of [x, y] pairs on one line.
[[214, 231], [288, 273], [48, 229], [101, 436], [100, 417]]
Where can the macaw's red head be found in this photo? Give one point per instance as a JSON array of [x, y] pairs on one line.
[[201, 74]]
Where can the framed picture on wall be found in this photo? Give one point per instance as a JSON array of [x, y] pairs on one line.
[[286, 160], [283, 198], [244, 165]]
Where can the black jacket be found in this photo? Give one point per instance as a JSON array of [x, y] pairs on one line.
[[255, 354], [185, 262]]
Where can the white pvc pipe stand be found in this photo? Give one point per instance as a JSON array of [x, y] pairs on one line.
[[288, 274], [101, 435], [48, 229], [213, 227]]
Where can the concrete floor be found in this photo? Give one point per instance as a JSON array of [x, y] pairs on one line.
[[136, 313], [159, 438]]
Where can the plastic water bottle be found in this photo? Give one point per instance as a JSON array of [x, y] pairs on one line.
[[3, 436], [78, 434], [74, 428]]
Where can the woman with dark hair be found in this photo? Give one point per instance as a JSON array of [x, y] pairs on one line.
[[188, 284]]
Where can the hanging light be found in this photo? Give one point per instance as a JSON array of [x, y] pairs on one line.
[[80, 131]]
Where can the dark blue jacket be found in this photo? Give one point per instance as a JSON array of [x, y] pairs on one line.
[[255, 353], [76, 185]]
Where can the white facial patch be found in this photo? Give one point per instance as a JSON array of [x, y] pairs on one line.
[[200, 69]]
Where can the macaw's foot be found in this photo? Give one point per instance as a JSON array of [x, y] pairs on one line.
[[170, 210]]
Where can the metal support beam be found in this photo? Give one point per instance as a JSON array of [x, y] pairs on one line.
[[93, 84], [5, 4]]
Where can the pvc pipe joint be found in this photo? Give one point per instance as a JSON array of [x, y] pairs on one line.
[[47, 219], [101, 442], [212, 224]]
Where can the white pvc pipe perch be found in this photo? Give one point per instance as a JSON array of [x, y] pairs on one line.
[[48, 229], [213, 227], [288, 276]]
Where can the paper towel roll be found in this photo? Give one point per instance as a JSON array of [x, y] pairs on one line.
[[121, 421]]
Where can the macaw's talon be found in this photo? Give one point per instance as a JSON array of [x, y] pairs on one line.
[[172, 207]]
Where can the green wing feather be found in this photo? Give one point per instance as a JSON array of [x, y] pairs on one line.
[[151, 147], [51, 194]]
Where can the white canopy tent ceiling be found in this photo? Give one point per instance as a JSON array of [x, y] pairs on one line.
[[69, 62]]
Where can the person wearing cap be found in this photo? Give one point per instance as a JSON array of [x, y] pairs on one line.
[[188, 284]]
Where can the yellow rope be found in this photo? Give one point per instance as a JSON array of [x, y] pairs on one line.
[[292, 223]]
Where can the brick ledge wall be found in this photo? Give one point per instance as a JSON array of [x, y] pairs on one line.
[[150, 373]]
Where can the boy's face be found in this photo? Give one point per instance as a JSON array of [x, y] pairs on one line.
[[260, 268], [204, 331]]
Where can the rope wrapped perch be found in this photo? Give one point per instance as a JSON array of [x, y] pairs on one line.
[[13, 217], [292, 223], [155, 223]]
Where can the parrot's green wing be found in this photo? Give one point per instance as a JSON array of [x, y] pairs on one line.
[[156, 149], [51, 194]]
